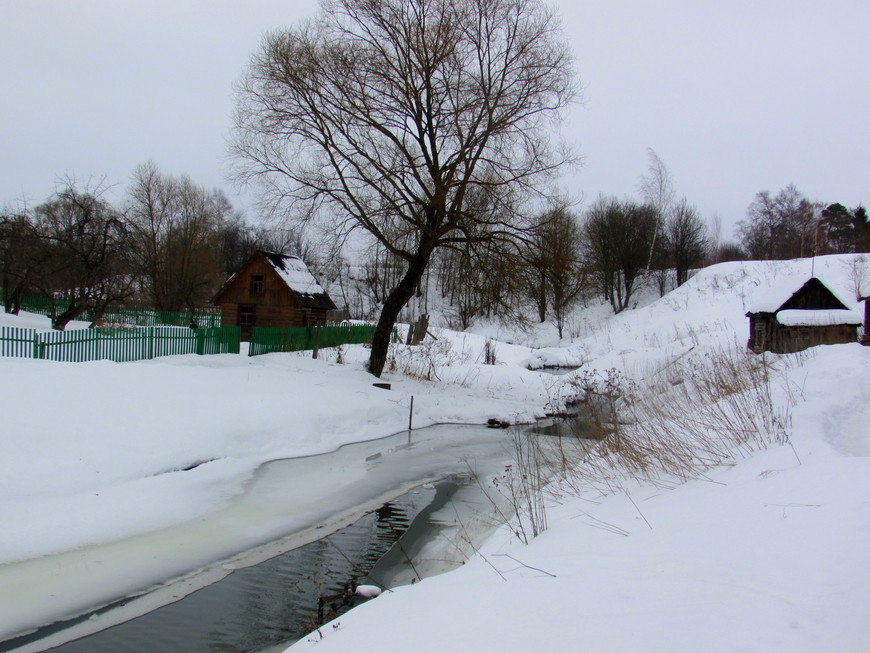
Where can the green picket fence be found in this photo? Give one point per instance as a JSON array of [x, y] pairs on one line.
[[17, 342], [118, 344], [127, 316], [266, 340]]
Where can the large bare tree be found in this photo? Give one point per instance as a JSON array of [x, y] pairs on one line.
[[421, 122]]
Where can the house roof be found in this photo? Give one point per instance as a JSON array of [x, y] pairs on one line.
[[830, 317], [779, 292], [294, 273]]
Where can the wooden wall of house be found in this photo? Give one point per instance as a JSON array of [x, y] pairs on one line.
[[766, 334], [275, 292], [273, 316], [760, 328], [787, 340]]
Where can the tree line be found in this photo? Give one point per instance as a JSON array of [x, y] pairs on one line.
[[169, 246], [790, 225]]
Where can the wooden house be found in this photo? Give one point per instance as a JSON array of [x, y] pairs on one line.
[[797, 315], [272, 290]]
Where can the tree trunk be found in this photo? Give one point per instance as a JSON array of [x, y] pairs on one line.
[[393, 305], [75, 309]]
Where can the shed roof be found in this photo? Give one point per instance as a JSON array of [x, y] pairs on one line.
[[781, 290]]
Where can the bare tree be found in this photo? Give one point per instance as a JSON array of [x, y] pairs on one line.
[[729, 251], [403, 118], [618, 237], [481, 283], [83, 261], [21, 254], [177, 228], [781, 226], [556, 272], [686, 240], [657, 190]]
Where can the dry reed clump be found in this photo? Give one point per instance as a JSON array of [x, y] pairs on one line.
[[423, 361], [691, 416], [522, 485], [699, 414]]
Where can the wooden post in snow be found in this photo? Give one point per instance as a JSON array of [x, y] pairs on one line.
[[316, 341]]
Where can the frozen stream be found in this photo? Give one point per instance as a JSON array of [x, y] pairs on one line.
[[287, 503]]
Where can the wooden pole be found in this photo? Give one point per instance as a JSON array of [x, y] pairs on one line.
[[411, 415], [316, 340]]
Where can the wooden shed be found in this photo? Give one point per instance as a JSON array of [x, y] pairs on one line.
[[797, 315], [272, 290]]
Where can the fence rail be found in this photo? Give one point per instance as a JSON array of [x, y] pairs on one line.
[[117, 344], [266, 340]]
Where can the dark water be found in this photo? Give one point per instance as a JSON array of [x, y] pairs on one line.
[[269, 604]]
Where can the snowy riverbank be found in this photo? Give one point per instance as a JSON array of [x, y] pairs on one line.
[[765, 554]]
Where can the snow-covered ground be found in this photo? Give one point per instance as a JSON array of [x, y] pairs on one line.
[[766, 553]]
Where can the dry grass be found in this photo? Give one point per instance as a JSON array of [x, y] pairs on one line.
[[693, 416]]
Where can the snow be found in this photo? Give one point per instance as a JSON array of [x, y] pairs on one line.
[[296, 275], [781, 290], [368, 591], [798, 317], [767, 552]]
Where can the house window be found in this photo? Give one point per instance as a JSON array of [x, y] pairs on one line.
[[257, 284], [246, 316]]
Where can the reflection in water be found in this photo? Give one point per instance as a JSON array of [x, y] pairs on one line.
[[270, 603]]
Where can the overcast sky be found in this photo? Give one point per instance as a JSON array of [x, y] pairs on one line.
[[735, 97]]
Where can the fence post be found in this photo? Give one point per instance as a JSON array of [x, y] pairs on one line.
[[200, 340], [38, 347], [316, 341]]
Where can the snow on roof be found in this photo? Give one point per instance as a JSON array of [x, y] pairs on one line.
[[295, 274], [779, 291], [799, 318]]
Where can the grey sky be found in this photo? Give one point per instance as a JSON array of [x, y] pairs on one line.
[[736, 97]]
